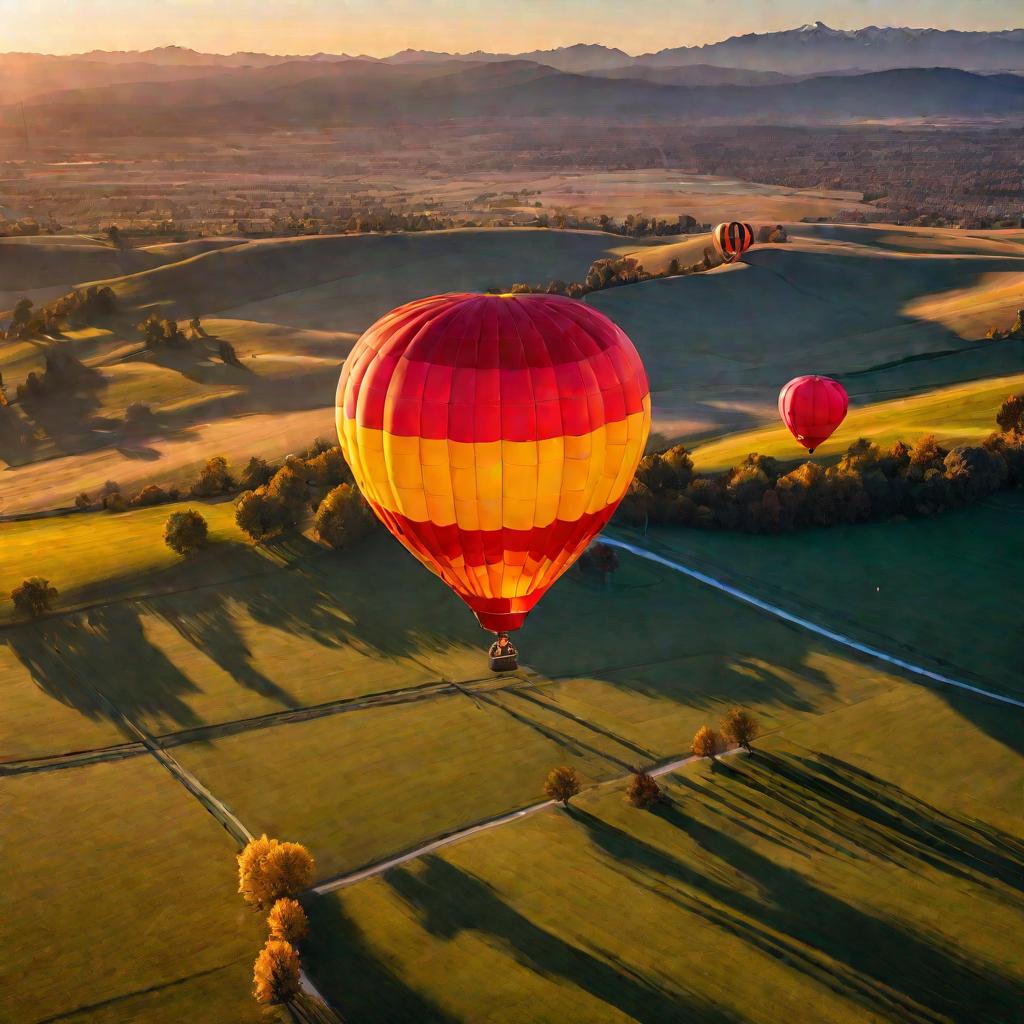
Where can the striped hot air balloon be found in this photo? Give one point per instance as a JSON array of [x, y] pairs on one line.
[[732, 240], [813, 407], [494, 435]]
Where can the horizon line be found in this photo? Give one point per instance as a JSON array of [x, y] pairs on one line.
[[470, 53]]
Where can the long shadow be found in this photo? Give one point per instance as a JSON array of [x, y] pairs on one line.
[[886, 966], [104, 649], [207, 623], [354, 979], [449, 901], [875, 815]]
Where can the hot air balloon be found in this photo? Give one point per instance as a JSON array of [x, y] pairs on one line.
[[812, 408], [494, 435], [732, 240]]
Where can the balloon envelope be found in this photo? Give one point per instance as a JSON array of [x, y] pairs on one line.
[[494, 435], [812, 408], [732, 240]]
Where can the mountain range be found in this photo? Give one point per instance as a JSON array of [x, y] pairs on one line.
[[805, 50], [372, 93]]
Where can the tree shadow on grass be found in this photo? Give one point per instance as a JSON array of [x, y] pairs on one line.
[[205, 620], [104, 649], [829, 795], [354, 979], [449, 901], [888, 967]]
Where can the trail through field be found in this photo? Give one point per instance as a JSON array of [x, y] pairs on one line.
[[351, 877], [811, 627]]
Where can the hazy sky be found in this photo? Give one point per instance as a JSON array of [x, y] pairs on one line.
[[380, 27]]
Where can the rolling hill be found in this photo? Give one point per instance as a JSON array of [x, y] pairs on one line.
[[368, 93]]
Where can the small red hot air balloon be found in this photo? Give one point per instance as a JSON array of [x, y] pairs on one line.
[[494, 435], [732, 240], [813, 407]]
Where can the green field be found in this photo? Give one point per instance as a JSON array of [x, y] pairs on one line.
[[98, 555], [934, 591], [116, 865], [835, 875], [864, 867]]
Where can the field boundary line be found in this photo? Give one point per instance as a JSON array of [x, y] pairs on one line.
[[808, 625], [379, 867]]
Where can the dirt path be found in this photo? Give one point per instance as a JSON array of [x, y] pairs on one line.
[[811, 627], [351, 877]]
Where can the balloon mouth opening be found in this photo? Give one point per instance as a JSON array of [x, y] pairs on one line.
[[501, 622]]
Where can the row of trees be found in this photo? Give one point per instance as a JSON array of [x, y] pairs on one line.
[[80, 308], [738, 728], [610, 273], [868, 483], [271, 874]]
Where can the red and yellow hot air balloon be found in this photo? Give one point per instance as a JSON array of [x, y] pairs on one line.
[[494, 435], [732, 240], [812, 408]]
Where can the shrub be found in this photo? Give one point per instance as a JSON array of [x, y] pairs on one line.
[[138, 416], [276, 973], [562, 784], [185, 532], [83, 501], [643, 790], [269, 870], [343, 517], [214, 478], [34, 597], [115, 502], [741, 728], [287, 921], [151, 494], [260, 516]]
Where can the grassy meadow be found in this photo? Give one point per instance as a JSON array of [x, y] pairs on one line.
[[864, 866], [936, 591], [835, 873], [115, 864]]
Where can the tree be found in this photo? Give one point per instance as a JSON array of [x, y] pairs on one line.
[[343, 517], [260, 516], [185, 532], [22, 311], [269, 870], [599, 559], [114, 234], [289, 486], [83, 502], [151, 494], [741, 728], [562, 784], [256, 473], [214, 478], [643, 790], [705, 742], [287, 921], [1011, 415], [276, 973], [34, 597]]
